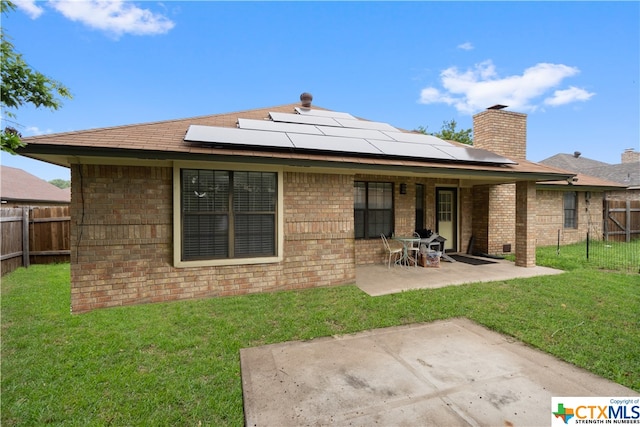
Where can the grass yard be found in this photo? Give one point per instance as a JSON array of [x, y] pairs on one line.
[[178, 363]]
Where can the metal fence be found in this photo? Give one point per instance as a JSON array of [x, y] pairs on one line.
[[613, 255]]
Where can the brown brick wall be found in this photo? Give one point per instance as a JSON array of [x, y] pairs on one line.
[[630, 156], [550, 218], [503, 132], [494, 213], [525, 223], [122, 241], [502, 217]]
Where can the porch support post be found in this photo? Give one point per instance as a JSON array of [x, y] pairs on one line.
[[526, 224]]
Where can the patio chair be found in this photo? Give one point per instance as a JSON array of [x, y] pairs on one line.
[[415, 249], [396, 252]]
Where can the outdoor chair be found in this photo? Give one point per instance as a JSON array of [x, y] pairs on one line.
[[396, 252], [415, 249]]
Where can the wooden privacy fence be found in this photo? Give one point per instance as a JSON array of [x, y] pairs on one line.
[[621, 220], [36, 235]]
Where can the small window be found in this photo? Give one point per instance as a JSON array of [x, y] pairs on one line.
[[373, 209], [570, 209]]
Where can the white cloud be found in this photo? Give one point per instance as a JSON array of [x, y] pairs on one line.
[[481, 86], [117, 17], [34, 131], [29, 7], [567, 96], [465, 46]]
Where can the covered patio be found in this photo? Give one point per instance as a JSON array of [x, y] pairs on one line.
[[378, 279]]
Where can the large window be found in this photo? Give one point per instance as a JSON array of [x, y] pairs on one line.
[[570, 209], [228, 214], [373, 209]]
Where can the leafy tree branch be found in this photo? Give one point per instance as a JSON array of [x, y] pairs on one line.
[[22, 85], [450, 133]]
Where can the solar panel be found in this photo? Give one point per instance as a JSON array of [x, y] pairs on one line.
[[333, 143], [417, 138], [405, 149], [338, 135], [363, 124], [476, 155], [323, 113], [303, 119], [353, 133], [247, 137], [268, 125]]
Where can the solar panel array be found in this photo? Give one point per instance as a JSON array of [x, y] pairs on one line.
[[337, 133]]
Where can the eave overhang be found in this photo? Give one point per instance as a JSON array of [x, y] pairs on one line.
[[480, 174]]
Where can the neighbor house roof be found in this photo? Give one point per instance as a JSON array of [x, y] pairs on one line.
[[165, 141], [20, 186], [626, 175], [573, 162]]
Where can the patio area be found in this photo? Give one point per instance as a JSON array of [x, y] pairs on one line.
[[377, 279]]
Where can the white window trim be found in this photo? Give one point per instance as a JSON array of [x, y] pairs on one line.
[[177, 231]]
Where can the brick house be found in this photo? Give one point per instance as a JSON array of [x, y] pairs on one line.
[[19, 188], [569, 208], [223, 205], [597, 187]]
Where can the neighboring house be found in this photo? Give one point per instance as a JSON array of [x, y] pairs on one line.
[[598, 187], [20, 188], [567, 210], [286, 197], [562, 209], [625, 173]]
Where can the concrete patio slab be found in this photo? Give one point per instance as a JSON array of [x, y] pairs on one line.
[[446, 373], [378, 279]]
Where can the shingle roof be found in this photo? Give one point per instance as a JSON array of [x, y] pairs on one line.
[[626, 174], [572, 163], [165, 140], [18, 185]]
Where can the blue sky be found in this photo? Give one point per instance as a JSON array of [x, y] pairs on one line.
[[573, 67]]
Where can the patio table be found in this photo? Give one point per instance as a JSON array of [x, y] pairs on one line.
[[407, 242]]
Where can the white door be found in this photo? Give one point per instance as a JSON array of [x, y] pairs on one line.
[[446, 215]]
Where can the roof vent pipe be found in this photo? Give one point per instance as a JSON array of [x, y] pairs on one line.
[[306, 99], [576, 154]]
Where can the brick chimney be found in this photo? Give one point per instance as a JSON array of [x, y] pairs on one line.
[[502, 132], [630, 155]]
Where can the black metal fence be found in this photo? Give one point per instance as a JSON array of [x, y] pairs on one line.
[[613, 255]]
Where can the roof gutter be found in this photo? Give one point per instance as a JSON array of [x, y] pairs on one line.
[[54, 154]]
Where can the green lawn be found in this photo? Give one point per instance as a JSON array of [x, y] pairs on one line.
[[178, 363]]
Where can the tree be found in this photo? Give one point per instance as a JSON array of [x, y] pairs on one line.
[[22, 85], [61, 183], [450, 133]]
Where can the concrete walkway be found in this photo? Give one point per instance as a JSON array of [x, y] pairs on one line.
[[446, 373], [377, 279]]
